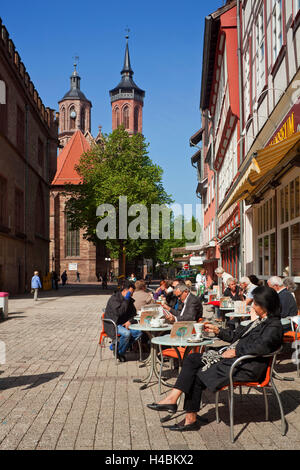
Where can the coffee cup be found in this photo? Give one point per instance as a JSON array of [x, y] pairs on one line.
[[198, 329]]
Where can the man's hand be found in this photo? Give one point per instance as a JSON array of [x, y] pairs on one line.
[[127, 325], [229, 353], [169, 317]]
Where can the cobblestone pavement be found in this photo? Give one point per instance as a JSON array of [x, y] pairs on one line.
[[56, 393]]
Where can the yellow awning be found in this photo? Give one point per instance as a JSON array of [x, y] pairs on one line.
[[261, 163]]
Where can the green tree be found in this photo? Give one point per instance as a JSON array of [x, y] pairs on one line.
[[120, 166]]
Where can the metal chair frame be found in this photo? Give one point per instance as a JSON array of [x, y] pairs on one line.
[[296, 329], [270, 383]]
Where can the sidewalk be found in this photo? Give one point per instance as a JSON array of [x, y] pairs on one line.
[[55, 393]]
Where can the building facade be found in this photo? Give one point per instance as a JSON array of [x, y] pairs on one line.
[[28, 146], [261, 189]]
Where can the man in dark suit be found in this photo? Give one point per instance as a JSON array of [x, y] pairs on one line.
[[287, 300], [120, 308], [191, 306]]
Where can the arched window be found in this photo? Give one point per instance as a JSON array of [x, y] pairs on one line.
[[39, 211], [136, 119], [72, 240], [126, 117], [82, 119], [72, 117], [63, 120], [117, 116]]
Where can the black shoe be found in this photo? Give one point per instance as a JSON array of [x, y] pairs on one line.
[[121, 358], [181, 427], [167, 407]]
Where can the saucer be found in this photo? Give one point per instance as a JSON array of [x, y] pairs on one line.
[[194, 339]]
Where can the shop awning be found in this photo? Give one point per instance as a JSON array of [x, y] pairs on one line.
[[259, 167]]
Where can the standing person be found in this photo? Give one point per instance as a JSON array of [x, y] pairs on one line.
[[247, 288], [55, 279], [64, 277], [120, 308], [77, 276], [36, 284], [201, 282], [220, 272], [104, 281]]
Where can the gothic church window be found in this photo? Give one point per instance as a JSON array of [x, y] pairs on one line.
[[117, 114], [126, 117], [136, 119]]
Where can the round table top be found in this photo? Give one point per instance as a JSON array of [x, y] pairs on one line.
[[166, 340], [139, 327], [237, 315]]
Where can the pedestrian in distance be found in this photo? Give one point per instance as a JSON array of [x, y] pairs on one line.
[[64, 277], [35, 285], [77, 276]]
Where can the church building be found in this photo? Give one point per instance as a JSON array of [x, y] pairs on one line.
[[68, 249]]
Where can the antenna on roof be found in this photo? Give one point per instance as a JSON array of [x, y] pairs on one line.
[[127, 31]]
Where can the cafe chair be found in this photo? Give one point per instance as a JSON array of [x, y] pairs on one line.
[[293, 336], [104, 336], [268, 381]]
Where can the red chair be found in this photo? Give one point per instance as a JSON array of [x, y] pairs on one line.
[[267, 382], [293, 336], [172, 354]]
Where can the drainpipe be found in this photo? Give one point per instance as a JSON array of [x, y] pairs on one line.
[[242, 222]]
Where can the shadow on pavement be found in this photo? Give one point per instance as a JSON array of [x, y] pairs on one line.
[[30, 380]]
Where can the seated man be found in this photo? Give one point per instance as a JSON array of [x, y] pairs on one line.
[[120, 308], [287, 300], [172, 300], [191, 306]]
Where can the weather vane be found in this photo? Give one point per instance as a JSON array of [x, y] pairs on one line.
[[76, 60], [127, 31]]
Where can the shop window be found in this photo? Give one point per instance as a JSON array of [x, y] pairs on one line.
[[266, 248], [295, 249]]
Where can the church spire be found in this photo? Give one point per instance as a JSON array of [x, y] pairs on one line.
[[127, 70]]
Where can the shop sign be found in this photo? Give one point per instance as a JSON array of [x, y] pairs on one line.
[[288, 127]]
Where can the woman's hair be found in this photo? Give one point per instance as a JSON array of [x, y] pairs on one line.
[[268, 299], [289, 284], [254, 279], [230, 280], [140, 285]]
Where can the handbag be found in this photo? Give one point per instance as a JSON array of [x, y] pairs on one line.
[[211, 357]]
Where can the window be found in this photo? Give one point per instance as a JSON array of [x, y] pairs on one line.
[[19, 211], [72, 117], [229, 167], [136, 119], [3, 107], [63, 120], [40, 212], [247, 89], [117, 114], [40, 152], [126, 117], [3, 201], [82, 120], [266, 253], [277, 27], [260, 52], [289, 215], [72, 244], [20, 129]]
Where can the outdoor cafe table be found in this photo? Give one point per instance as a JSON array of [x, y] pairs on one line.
[[237, 317], [175, 343], [151, 361]]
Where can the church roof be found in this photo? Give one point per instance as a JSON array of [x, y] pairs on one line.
[[74, 93], [68, 158]]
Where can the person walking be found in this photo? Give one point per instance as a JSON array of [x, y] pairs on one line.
[[35, 284], [77, 276], [64, 277]]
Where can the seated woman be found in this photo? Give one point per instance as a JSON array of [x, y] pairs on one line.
[[262, 336], [233, 290]]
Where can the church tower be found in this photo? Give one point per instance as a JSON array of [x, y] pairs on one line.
[[127, 100], [74, 111]]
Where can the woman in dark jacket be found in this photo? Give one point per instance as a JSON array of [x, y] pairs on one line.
[[263, 336]]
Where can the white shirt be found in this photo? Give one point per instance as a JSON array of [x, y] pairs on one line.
[[181, 313], [225, 277]]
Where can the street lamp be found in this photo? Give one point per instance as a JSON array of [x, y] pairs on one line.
[[108, 260]]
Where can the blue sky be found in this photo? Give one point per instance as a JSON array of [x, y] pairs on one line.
[[166, 45]]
